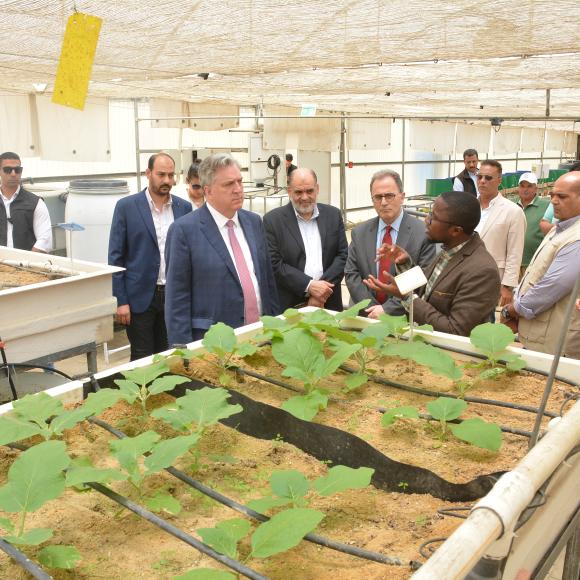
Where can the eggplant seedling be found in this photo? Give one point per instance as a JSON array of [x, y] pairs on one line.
[[303, 357], [493, 340], [222, 341]]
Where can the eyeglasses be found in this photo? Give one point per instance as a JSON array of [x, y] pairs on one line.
[[378, 198], [194, 186], [486, 177], [9, 170], [430, 216]]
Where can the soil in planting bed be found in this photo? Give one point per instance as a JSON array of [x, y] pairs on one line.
[[13, 277], [115, 544], [410, 441]]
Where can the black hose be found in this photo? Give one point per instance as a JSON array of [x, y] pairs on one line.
[[31, 567], [7, 367], [314, 538], [427, 544], [176, 532], [468, 399], [288, 387], [43, 367]]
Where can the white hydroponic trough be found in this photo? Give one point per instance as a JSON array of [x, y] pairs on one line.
[[41, 319], [489, 530]]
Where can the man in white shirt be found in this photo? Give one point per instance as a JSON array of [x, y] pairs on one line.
[[218, 266], [24, 218], [307, 245], [467, 179], [137, 243], [502, 227]]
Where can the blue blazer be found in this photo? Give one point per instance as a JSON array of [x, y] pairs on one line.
[[202, 283], [133, 246]]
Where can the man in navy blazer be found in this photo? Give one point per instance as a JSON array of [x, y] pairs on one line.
[[137, 243], [218, 267]]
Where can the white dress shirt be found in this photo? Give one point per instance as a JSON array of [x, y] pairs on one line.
[[221, 222], [162, 219], [40, 224], [485, 214], [312, 245]]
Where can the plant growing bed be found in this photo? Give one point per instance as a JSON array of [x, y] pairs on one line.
[[247, 454]]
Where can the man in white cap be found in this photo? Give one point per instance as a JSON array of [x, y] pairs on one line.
[[534, 208]]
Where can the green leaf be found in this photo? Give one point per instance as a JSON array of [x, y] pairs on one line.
[[37, 408], [353, 382], [306, 407], [273, 323], [165, 453], [68, 419], [478, 433], [397, 413], [340, 356], [220, 339], [129, 389], [491, 374], [14, 429], [66, 557], [145, 375], [514, 362], [265, 504], [289, 484], [207, 406], [340, 478], [31, 538], [225, 536], [205, 574], [98, 402], [77, 476], [318, 318], [6, 524], [171, 414], [491, 338], [377, 332], [353, 311], [446, 409], [164, 384], [35, 477], [284, 531], [163, 502], [300, 353], [128, 451], [395, 325], [246, 349]]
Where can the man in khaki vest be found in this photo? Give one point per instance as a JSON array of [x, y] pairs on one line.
[[541, 298]]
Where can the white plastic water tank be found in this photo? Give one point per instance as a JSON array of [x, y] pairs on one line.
[[91, 203]]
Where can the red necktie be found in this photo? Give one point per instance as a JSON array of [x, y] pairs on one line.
[[251, 312], [384, 265]]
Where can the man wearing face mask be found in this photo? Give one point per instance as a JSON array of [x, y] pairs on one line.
[[307, 245], [24, 218]]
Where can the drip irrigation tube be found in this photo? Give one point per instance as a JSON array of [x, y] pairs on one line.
[[166, 527], [314, 538], [31, 567], [176, 532], [506, 429]]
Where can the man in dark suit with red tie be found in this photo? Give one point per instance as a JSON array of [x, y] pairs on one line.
[[391, 226]]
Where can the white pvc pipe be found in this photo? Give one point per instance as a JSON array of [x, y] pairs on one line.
[[500, 509], [45, 266]]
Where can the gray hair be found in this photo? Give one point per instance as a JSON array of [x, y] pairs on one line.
[[208, 167], [388, 173]]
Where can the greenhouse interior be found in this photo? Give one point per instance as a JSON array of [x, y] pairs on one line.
[[289, 291]]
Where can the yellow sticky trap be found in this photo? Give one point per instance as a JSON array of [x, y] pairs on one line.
[[76, 60]]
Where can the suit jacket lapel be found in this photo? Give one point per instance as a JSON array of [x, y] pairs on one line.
[[145, 211], [323, 226], [210, 231], [370, 245], [291, 223], [493, 211]]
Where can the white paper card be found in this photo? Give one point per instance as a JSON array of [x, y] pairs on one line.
[[410, 280]]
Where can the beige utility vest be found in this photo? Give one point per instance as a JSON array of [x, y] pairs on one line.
[[541, 333]]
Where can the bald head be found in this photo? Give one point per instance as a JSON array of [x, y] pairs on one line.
[[300, 173], [566, 196]]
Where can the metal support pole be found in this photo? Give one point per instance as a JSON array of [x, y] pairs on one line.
[[137, 145], [343, 167], [547, 102], [572, 558]]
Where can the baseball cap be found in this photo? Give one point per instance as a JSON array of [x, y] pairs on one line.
[[529, 177]]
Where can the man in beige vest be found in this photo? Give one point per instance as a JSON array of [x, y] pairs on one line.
[[541, 298]]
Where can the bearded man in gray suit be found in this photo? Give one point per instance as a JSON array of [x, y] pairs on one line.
[[393, 225]]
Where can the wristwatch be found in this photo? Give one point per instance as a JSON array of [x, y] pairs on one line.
[[505, 313]]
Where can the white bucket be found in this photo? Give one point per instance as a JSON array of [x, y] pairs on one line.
[[91, 203]]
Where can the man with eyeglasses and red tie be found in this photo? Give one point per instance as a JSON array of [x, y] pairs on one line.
[[393, 225], [24, 218]]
